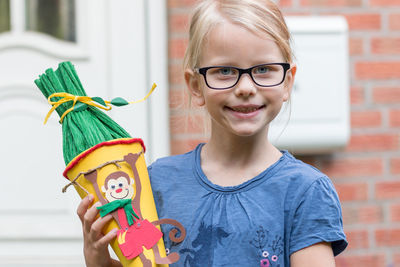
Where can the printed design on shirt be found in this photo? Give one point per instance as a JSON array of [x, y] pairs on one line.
[[268, 249], [202, 251]]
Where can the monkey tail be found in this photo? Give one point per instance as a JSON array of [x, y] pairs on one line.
[[174, 232]]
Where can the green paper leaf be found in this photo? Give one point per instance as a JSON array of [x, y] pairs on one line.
[[79, 106], [119, 101], [99, 100]]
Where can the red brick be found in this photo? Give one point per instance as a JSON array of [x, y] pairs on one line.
[[356, 96], [384, 2], [394, 118], [360, 214], [179, 23], [285, 3], [296, 13], [183, 124], [175, 74], [178, 99], [395, 165], [366, 260], [387, 237], [352, 191], [394, 22], [386, 94], [370, 214], [364, 21], [373, 142], [366, 119], [395, 212], [177, 48], [377, 70], [396, 259], [331, 3], [307, 159], [357, 239], [385, 45], [387, 190], [180, 146], [356, 46], [181, 3], [353, 167]]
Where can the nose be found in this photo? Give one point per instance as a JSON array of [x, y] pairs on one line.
[[119, 190], [245, 86]]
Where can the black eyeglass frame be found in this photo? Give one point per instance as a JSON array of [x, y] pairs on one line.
[[203, 71]]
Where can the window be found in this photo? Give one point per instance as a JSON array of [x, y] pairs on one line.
[[53, 17], [4, 15]]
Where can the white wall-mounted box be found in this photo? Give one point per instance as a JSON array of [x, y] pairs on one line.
[[317, 118]]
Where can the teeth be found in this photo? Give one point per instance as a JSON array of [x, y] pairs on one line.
[[245, 110]]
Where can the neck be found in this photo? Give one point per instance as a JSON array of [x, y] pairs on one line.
[[229, 149], [229, 160]]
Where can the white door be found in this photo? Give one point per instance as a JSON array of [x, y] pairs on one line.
[[117, 50]]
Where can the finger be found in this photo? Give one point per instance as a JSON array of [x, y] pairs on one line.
[[105, 240], [98, 225], [90, 216], [83, 206]]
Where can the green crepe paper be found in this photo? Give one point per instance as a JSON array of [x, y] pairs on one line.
[[84, 127]]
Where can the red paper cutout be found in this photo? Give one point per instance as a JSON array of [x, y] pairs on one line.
[[141, 233]]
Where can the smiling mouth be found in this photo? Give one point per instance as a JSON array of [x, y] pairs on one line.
[[246, 109], [121, 197]]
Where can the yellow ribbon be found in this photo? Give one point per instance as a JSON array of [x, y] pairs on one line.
[[65, 97]]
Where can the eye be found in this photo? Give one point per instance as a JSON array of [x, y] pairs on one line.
[[113, 187], [274, 258], [261, 70], [167, 251], [226, 71], [120, 184]]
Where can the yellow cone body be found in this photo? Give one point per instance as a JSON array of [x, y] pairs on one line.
[[109, 151]]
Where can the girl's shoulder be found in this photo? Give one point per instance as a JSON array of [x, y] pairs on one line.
[[300, 174], [174, 161], [178, 165]]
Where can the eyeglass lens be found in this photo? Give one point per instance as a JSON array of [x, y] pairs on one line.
[[263, 75]]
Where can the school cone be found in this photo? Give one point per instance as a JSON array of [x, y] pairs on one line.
[[116, 149], [94, 148]]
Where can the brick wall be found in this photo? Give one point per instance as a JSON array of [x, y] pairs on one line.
[[366, 173]]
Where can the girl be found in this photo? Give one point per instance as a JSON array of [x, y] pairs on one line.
[[242, 201]]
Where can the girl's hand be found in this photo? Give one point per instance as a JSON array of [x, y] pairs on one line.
[[95, 244]]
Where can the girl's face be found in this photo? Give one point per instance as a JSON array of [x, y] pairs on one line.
[[245, 109]]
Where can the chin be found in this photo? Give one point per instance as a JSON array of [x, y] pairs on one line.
[[250, 131], [245, 132]]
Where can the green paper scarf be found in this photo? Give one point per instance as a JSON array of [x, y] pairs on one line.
[[116, 204]]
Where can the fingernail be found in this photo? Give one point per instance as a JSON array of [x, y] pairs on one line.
[[89, 197], [114, 231]]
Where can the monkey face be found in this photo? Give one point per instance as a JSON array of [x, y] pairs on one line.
[[119, 188]]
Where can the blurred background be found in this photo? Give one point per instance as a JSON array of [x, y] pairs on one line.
[[344, 115]]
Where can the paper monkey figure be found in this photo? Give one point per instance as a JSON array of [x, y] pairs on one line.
[[135, 231]]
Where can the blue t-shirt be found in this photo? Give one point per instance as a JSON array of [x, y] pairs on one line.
[[287, 207]]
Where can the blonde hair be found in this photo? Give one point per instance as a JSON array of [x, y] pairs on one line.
[[258, 16]]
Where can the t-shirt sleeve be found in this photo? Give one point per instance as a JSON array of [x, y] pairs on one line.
[[318, 218]]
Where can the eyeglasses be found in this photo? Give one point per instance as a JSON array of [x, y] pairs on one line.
[[225, 77]]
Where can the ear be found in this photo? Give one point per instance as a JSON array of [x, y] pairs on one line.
[[194, 85], [289, 81], [103, 189]]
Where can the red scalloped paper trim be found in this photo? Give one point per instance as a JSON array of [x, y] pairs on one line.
[[107, 143]]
